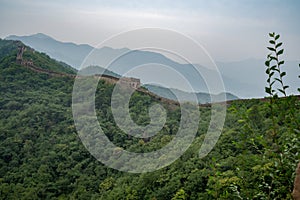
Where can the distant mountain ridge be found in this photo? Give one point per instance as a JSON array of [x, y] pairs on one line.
[[70, 53], [245, 78], [202, 98], [125, 63], [43, 64]]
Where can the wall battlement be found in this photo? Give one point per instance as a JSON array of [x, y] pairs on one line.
[[128, 81], [20, 60]]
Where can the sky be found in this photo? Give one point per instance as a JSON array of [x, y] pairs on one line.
[[230, 30]]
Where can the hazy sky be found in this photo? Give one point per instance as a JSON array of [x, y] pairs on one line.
[[229, 30]]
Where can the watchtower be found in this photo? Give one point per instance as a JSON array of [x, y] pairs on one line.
[[131, 82], [21, 50]]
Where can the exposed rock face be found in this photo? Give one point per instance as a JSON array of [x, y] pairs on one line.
[[296, 191]]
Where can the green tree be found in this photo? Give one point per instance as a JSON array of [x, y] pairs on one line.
[[180, 194]]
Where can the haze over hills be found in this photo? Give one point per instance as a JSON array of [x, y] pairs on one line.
[[42, 156], [243, 78], [71, 53], [44, 64], [119, 120], [202, 97], [252, 72]]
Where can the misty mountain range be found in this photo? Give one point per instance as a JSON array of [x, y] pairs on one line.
[[245, 78]]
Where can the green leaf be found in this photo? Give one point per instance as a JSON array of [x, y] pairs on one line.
[[271, 34], [267, 63], [273, 58], [241, 121], [286, 87], [272, 83], [281, 62], [271, 49], [273, 67], [277, 70], [277, 37], [268, 90], [282, 91], [278, 45], [282, 74], [280, 52], [268, 56], [272, 41], [277, 79], [272, 73]]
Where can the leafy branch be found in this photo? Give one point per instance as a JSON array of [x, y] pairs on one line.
[[270, 71], [274, 57]]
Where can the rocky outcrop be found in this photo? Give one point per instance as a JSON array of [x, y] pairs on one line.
[[296, 191]]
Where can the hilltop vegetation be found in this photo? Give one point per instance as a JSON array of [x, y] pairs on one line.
[[41, 156], [9, 49]]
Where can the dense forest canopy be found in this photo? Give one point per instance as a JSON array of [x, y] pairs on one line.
[[42, 157]]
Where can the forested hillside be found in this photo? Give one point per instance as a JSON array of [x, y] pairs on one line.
[[42, 157]]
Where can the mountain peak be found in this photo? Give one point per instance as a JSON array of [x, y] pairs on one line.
[[37, 36], [41, 36]]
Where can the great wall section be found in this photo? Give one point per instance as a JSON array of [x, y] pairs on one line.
[[128, 81]]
